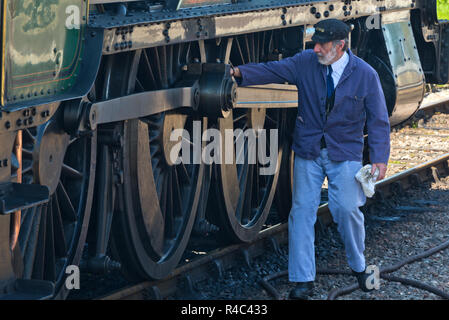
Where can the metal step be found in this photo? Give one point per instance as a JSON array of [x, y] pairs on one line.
[[18, 196], [30, 290]]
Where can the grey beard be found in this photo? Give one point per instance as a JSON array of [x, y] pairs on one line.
[[326, 60]]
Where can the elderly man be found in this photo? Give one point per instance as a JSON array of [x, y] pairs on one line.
[[338, 93]]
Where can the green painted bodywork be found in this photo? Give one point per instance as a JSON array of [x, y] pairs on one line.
[[43, 48], [443, 10]]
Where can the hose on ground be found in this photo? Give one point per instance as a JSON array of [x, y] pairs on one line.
[[383, 274]]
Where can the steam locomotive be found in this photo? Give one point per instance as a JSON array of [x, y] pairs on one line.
[[92, 91]]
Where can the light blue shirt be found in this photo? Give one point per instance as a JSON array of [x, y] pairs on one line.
[[338, 68]]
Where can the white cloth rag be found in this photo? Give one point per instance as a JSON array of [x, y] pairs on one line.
[[367, 180]]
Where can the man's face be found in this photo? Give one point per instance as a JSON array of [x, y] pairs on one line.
[[326, 52]]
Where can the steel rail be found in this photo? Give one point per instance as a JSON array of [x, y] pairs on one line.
[[442, 102]]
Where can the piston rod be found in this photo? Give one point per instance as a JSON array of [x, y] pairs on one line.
[[152, 102]]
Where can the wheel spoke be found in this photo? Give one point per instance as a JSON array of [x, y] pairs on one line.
[[157, 172], [163, 198], [27, 152], [150, 73], [257, 186], [244, 147], [248, 208], [169, 221], [257, 49], [177, 57], [163, 66], [243, 183], [240, 51], [262, 46], [72, 141], [274, 122], [183, 174], [67, 209], [28, 135], [31, 245], [60, 238], [158, 67], [39, 260], [177, 201], [26, 228], [50, 259], [253, 48], [71, 172], [169, 64], [243, 178], [248, 52], [243, 116], [27, 166], [140, 85]]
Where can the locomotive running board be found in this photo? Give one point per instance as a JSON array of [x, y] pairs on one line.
[[130, 32], [19, 196], [30, 290], [268, 96]]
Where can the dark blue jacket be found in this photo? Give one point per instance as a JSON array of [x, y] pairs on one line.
[[358, 98]]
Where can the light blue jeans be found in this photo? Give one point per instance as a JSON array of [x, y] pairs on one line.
[[345, 198]]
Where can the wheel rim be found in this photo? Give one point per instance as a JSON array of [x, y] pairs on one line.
[[159, 198], [244, 195], [283, 197], [52, 236]]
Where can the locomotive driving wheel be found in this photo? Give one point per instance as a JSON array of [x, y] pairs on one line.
[[159, 198], [244, 192], [52, 235]]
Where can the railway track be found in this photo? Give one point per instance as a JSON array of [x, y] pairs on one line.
[[213, 263]]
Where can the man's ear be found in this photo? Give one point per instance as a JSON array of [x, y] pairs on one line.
[[341, 45]]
